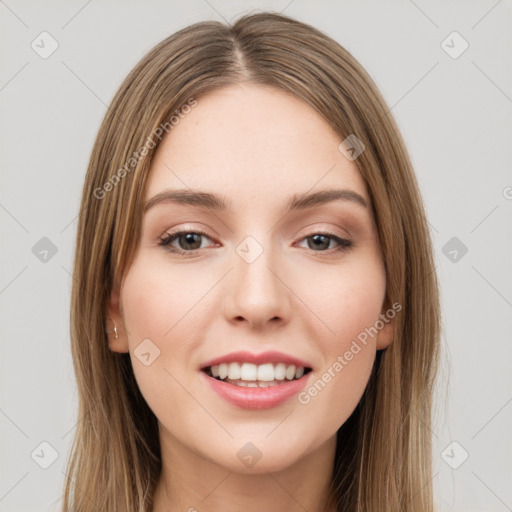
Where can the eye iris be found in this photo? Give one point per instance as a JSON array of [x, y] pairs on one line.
[[190, 238], [323, 242]]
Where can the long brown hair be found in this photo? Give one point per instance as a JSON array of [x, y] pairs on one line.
[[383, 454]]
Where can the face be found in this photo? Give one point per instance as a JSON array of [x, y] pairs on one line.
[[275, 290]]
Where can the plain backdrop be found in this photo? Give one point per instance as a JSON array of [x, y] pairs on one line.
[[453, 106]]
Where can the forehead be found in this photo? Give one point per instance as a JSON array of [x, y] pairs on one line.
[[250, 141]]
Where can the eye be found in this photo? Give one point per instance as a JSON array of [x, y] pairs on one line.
[[190, 241], [322, 241]]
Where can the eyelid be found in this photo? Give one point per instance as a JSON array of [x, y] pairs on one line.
[[188, 229], [342, 244], [312, 229], [328, 230]]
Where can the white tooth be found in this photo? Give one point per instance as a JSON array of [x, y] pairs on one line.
[[270, 384], [249, 371], [241, 383], [280, 371], [252, 385], [234, 371], [215, 370], [290, 372], [300, 372], [263, 384], [266, 372], [223, 370]]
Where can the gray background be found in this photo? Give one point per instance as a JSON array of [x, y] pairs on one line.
[[455, 117]]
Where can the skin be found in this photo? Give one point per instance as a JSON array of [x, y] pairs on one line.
[[242, 142]]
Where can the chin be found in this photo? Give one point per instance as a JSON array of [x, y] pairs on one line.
[[259, 456]]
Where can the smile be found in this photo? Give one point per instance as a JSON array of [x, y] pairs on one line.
[[251, 375]]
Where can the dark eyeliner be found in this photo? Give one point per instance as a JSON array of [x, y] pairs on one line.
[[344, 244]]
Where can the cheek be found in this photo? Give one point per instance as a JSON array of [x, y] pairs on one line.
[[161, 303], [160, 319], [349, 309], [347, 300]]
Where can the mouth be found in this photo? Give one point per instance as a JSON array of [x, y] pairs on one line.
[[250, 375], [256, 381]]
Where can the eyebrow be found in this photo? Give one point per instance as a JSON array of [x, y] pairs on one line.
[[215, 202]]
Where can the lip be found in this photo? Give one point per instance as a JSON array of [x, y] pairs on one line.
[[265, 357], [256, 398]]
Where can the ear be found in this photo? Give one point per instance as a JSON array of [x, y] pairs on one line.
[[114, 319], [385, 336]]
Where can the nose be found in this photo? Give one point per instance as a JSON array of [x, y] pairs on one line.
[[257, 291]]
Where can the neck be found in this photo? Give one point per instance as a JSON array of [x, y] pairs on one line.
[[189, 482]]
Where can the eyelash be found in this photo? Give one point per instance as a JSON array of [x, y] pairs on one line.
[[165, 241]]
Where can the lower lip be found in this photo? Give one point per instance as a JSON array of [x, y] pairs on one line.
[[256, 398]]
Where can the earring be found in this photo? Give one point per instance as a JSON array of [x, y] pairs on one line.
[[114, 330]]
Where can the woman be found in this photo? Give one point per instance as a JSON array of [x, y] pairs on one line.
[[255, 313]]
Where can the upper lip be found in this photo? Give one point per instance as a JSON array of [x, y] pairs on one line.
[[261, 358]]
